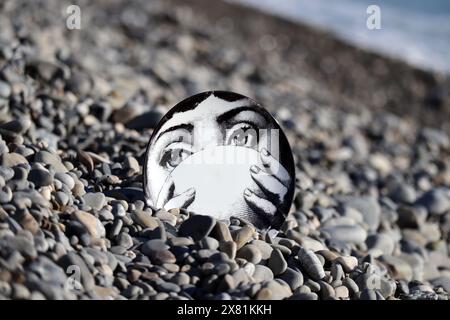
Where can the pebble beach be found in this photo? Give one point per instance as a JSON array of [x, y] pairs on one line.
[[371, 212]]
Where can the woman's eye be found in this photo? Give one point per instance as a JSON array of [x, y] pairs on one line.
[[243, 136], [173, 157]]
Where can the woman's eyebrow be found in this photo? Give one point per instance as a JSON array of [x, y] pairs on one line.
[[233, 112], [186, 126]]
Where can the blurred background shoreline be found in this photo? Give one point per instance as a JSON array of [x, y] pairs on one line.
[[355, 74], [417, 32]]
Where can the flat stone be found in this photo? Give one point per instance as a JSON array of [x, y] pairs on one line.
[[306, 296], [132, 164], [95, 200], [442, 281], [328, 255], [93, 226], [28, 222], [221, 232], [326, 290], [337, 271], [351, 285], [180, 241], [144, 219], [197, 227], [348, 263], [416, 263], [381, 242], [311, 244], [5, 89], [368, 206], [250, 253], [65, 179], [163, 256], [61, 198], [52, 159], [277, 263], [152, 246], [20, 292], [20, 244], [346, 233], [78, 189], [368, 294], [226, 284], [242, 236], [436, 201], [341, 292], [293, 278], [263, 247], [399, 268], [311, 264], [262, 273], [40, 177], [13, 159], [167, 287], [209, 243], [277, 290], [411, 216], [181, 279], [6, 172], [125, 240], [264, 294], [229, 248], [240, 276]]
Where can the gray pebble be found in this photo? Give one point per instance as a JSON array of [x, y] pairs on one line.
[[293, 278], [263, 247], [144, 219], [437, 201], [153, 246], [65, 179], [92, 225], [125, 240], [40, 177], [5, 89], [368, 206], [381, 242], [277, 263], [197, 227], [12, 159], [346, 233], [250, 253], [311, 264], [95, 200], [262, 273], [52, 159]]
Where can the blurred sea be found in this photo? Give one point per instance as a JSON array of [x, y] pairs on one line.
[[417, 31]]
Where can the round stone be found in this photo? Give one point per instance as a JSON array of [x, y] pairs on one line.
[[40, 177], [250, 253], [197, 227], [51, 159], [277, 263]]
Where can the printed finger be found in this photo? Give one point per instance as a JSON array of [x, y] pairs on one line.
[[274, 167], [270, 185], [182, 200], [261, 206]]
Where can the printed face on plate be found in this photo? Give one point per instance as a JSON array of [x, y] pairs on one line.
[[219, 153]]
